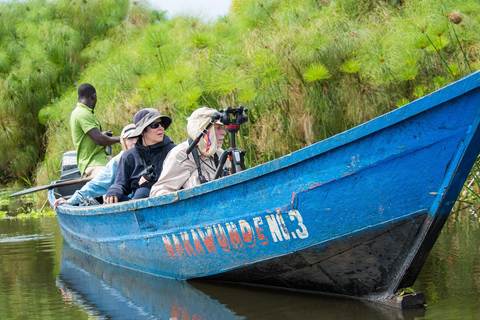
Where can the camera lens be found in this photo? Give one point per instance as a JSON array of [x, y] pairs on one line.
[[225, 119]]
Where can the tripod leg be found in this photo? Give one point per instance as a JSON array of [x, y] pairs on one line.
[[221, 163], [242, 160], [238, 162]]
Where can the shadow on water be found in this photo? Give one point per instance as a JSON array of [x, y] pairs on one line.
[[113, 292]]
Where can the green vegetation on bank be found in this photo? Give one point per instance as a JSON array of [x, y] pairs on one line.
[[41, 43], [306, 69], [23, 207]]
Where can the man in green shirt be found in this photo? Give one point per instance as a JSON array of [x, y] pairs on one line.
[[87, 137]]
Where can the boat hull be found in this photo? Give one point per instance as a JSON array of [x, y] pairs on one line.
[[356, 214], [357, 264]]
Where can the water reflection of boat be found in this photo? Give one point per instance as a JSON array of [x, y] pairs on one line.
[[107, 291], [113, 292], [356, 214], [282, 304]]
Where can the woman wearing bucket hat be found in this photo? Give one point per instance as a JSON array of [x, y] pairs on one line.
[[140, 167], [181, 170], [99, 185]]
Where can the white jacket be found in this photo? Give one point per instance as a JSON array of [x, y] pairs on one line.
[[180, 171]]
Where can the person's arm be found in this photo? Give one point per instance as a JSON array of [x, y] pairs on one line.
[[103, 181], [102, 139], [76, 198], [176, 171], [96, 187]]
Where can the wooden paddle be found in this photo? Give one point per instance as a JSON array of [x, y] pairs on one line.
[[49, 186]]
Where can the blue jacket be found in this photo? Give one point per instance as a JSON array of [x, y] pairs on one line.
[[99, 185], [130, 167]]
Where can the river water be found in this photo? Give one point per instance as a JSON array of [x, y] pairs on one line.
[[43, 278]]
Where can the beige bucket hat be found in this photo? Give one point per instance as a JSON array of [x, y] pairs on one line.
[[145, 117]]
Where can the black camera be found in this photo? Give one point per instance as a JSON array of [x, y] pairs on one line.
[[233, 116], [150, 173]]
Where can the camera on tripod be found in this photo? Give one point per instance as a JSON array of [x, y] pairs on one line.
[[233, 116], [149, 173]]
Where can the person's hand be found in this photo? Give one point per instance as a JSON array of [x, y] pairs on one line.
[[142, 181], [59, 201], [112, 199]]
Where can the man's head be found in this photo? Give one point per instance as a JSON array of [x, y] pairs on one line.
[[126, 140], [87, 95], [150, 125], [213, 139]]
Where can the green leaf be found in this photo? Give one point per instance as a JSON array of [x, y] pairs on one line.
[[316, 73]]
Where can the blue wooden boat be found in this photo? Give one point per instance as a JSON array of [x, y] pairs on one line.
[[355, 215]]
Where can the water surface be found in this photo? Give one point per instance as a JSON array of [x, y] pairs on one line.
[[42, 278]]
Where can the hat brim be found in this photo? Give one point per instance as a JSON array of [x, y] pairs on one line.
[[128, 134], [166, 121]]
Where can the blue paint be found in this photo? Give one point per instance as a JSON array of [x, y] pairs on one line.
[[410, 162]]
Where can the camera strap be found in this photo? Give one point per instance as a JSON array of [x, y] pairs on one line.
[[196, 157], [154, 160], [142, 161]]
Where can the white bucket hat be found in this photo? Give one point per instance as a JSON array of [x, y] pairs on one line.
[[126, 133]]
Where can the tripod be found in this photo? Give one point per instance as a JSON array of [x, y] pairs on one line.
[[235, 155]]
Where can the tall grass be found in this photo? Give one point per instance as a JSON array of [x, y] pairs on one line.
[[306, 70], [40, 44]]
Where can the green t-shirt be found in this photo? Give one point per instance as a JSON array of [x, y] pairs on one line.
[[89, 153]]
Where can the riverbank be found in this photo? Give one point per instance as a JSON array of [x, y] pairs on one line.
[[23, 207]]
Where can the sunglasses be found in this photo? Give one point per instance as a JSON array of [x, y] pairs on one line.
[[155, 125]]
